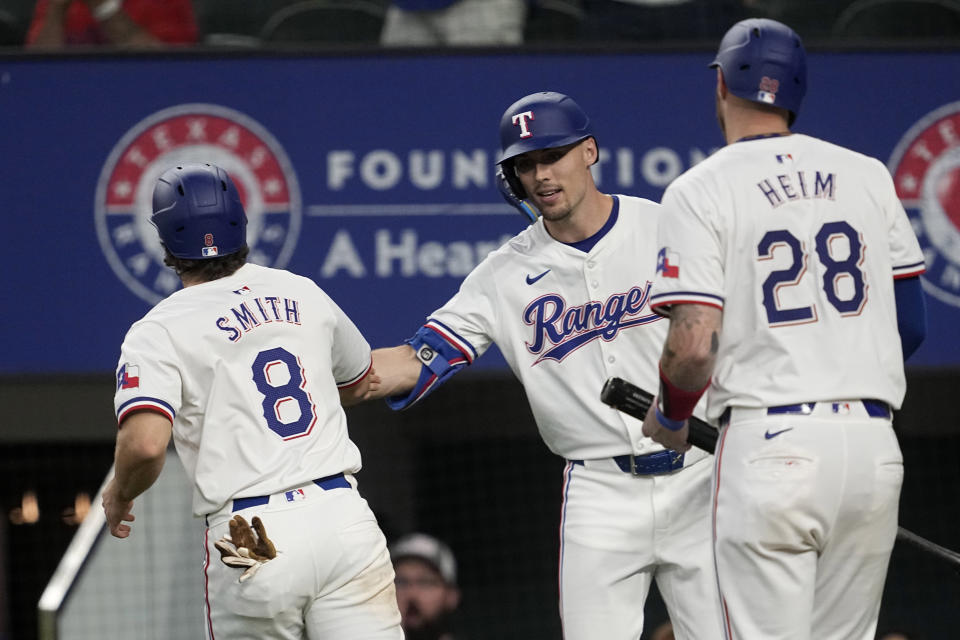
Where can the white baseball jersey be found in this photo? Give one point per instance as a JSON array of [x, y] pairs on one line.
[[247, 368], [798, 241], [566, 321]]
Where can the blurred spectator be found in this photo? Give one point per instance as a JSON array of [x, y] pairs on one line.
[[413, 23], [894, 635], [653, 20], [126, 23], [427, 591]]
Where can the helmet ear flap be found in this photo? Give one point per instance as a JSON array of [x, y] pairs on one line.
[[510, 175]]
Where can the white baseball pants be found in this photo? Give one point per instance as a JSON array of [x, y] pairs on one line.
[[805, 521], [332, 577]]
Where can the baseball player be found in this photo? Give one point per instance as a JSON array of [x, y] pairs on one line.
[[566, 300], [790, 274], [247, 368]]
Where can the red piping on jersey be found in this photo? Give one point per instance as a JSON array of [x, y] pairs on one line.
[[567, 473], [453, 342], [911, 274], [728, 632], [666, 303], [206, 580], [142, 407], [360, 379]]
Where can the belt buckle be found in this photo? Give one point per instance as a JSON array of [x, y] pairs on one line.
[[675, 456]]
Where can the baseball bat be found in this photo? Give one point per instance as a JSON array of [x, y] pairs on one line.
[[634, 401]]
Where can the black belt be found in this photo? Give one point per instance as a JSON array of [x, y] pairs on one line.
[[649, 465], [874, 408], [337, 481]]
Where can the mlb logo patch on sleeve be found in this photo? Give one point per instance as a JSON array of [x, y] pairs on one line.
[[128, 377]]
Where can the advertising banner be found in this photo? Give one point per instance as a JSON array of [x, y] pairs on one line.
[[374, 175]]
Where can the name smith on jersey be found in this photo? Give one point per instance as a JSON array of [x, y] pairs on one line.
[[254, 313]]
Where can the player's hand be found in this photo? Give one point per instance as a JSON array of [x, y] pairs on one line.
[[373, 385], [246, 548], [524, 207], [117, 510], [653, 428]]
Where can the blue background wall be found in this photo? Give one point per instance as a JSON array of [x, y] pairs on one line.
[[357, 136]]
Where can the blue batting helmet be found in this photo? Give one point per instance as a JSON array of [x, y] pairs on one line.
[[543, 120], [764, 61], [198, 213]]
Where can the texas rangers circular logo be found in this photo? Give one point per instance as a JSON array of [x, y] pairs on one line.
[[186, 134], [926, 171]]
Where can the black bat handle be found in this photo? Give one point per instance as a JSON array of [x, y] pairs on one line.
[[634, 401], [702, 435]]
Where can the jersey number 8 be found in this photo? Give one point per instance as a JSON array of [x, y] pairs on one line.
[[834, 272], [287, 407]]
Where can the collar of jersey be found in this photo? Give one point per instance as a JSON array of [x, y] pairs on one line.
[[589, 243], [764, 135]]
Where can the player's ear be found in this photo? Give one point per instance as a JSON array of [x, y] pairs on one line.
[[721, 85], [590, 151]]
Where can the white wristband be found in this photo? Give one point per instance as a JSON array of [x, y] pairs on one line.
[[107, 9]]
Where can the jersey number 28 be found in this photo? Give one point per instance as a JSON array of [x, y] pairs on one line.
[[287, 407], [835, 270]]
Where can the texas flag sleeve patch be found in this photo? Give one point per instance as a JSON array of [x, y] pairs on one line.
[[128, 377], [668, 263]]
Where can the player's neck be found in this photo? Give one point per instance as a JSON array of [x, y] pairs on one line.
[[588, 218], [740, 126]]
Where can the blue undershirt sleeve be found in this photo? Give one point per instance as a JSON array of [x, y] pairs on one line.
[[911, 314]]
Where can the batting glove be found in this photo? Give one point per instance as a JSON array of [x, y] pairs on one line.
[[246, 548]]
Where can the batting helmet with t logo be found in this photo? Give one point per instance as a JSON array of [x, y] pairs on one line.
[[542, 120]]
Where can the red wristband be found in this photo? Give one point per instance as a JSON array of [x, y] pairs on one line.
[[676, 403]]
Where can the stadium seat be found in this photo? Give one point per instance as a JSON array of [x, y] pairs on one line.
[[12, 31], [233, 22], [899, 19], [330, 21]]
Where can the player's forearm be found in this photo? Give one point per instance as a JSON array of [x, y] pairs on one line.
[[398, 370], [690, 351], [141, 450], [136, 475]]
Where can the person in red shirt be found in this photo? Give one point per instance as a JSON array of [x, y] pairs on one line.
[[129, 23]]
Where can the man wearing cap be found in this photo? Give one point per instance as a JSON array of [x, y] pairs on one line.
[[427, 591]]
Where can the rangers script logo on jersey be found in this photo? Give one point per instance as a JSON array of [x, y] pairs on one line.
[[926, 171], [193, 133]]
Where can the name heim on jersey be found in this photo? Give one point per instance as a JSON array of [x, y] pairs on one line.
[[798, 185]]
